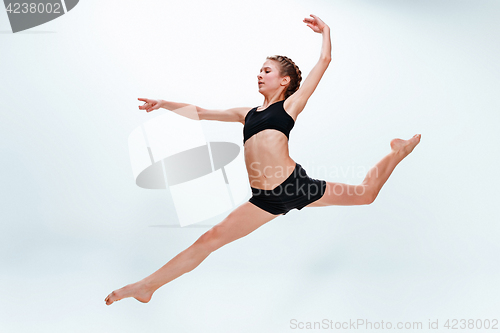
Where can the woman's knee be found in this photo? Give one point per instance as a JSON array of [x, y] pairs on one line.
[[369, 195], [210, 240], [361, 194]]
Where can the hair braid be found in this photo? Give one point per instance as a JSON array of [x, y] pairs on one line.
[[289, 68]]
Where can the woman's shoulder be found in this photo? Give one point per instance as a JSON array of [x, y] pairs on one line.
[[248, 111]]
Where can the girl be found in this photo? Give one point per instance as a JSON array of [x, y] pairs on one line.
[[278, 183]]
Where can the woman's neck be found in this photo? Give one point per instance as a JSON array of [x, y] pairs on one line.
[[268, 100]]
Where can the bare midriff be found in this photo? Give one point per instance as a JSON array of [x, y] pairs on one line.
[[267, 159]]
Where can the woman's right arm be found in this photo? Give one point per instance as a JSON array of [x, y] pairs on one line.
[[195, 112]]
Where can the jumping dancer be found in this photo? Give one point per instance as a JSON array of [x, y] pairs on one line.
[[278, 183]]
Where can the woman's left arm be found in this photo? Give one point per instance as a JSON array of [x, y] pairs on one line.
[[299, 99]]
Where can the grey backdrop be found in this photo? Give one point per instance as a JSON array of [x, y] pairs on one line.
[[74, 226]]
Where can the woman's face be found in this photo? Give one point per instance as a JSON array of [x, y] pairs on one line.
[[269, 78]]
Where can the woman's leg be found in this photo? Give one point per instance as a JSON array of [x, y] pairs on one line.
[[240, 222], [365, 193]]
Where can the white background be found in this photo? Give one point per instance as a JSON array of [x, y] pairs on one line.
[[74, 226]]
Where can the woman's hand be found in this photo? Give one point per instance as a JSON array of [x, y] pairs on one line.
[[315, 23], [149, 104]]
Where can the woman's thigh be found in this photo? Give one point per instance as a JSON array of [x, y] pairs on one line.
[[240, 222], [343, 195]]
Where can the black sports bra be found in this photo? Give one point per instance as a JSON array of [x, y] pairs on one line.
[[273, 117]]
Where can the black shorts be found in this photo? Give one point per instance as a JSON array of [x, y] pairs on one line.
[[297, 191]]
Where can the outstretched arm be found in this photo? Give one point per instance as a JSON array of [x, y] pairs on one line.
[[183, 109], [195, 112], [299, 99]]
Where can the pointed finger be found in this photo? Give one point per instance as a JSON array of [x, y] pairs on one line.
[[317, 18]]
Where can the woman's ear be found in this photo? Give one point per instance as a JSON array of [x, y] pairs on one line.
[[285, 80]]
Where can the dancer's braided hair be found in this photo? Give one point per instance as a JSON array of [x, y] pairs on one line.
[[288, 68]]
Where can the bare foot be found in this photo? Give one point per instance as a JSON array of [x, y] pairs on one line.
[[404, 147], [137, 290]]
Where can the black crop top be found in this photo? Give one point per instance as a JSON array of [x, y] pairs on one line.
[[273, 117]]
